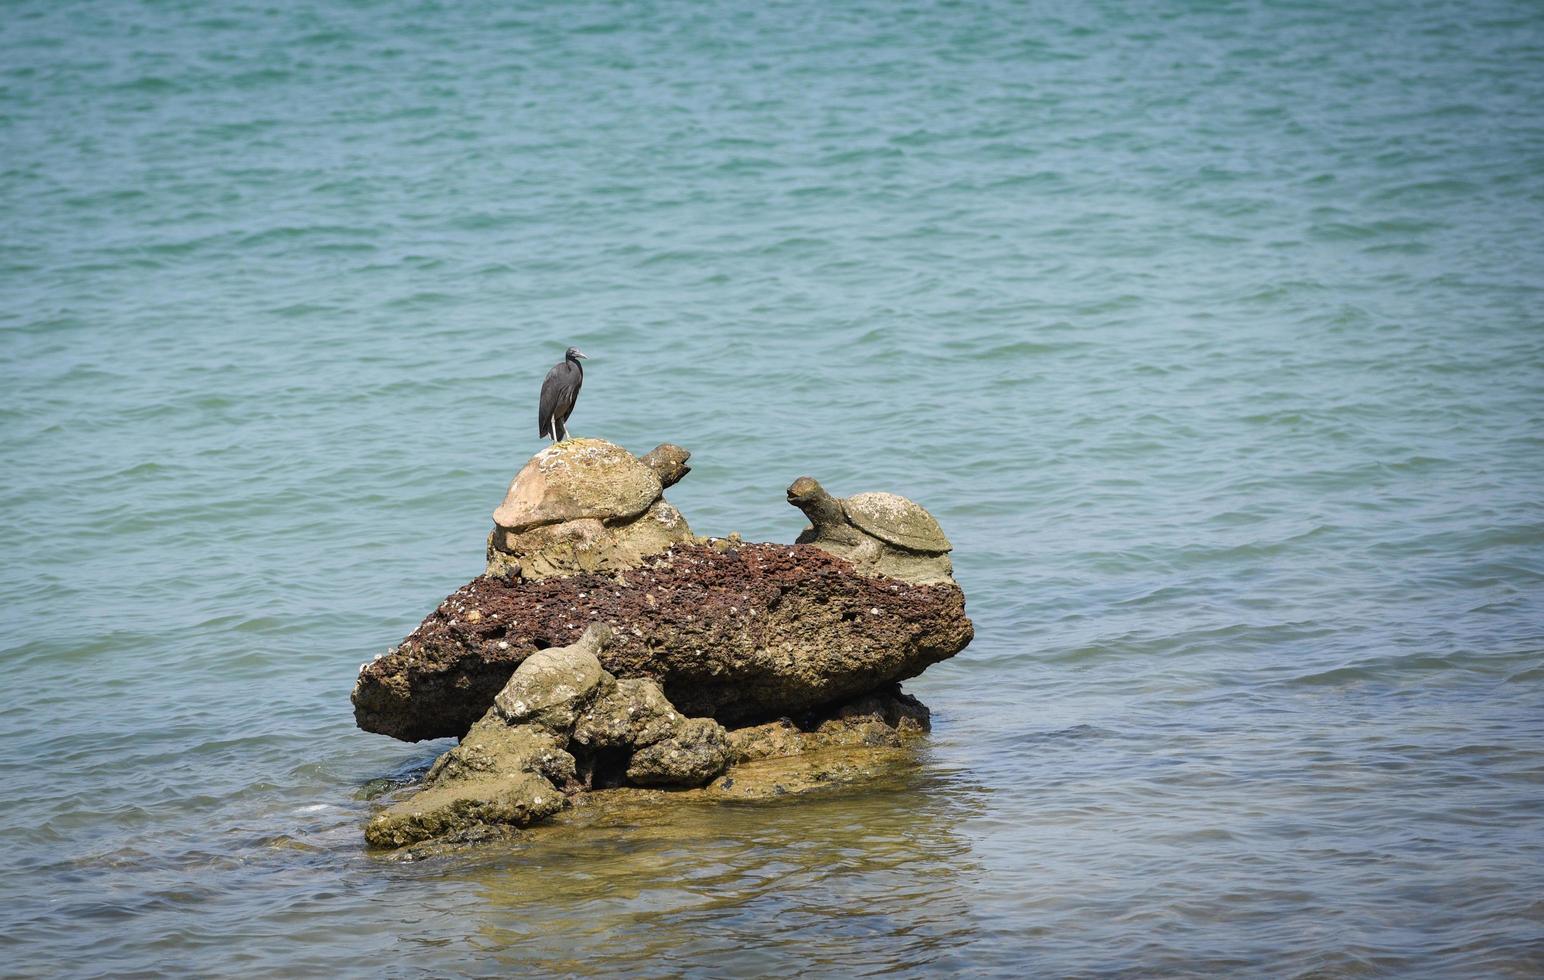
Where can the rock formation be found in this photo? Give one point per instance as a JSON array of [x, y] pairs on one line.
[[744, 634], [563, 725], [606, 647]]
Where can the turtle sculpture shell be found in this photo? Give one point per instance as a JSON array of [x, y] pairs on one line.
[[896, 520], [574, 479]]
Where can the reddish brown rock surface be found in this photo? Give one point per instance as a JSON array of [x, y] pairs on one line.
[[742, 635]]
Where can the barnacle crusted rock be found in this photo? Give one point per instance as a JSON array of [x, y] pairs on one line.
[[606, 651], [742, 635]]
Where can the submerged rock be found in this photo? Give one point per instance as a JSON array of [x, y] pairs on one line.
[[552, 687], [441, 811], [740, 635]]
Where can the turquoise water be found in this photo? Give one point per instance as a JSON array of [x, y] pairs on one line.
[[1213, 333]]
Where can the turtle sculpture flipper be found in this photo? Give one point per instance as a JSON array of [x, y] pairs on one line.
[[880, 533]]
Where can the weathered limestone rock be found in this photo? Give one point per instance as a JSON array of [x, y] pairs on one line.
[[668, 461], [447, 809], [770, 740], [511, 769], [498, 775], [884, 718], [575, 479], [507, 775], [880, 533], [742, 635], [635, 714], [696, 753], [494, 748], [551, 687], [586, 506]]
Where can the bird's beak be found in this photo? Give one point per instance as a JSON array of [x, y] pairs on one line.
[[581, 355]]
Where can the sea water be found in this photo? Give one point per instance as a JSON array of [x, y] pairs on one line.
[[1212, 333]]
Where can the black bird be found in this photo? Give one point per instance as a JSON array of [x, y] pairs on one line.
[[558, 394]]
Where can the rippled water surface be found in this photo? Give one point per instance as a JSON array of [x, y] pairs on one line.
[[1213, 333]]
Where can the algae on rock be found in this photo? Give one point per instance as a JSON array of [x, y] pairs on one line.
[[522, 760], [631, 740]]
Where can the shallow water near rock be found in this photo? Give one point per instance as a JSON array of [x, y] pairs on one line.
[[1210, 334]]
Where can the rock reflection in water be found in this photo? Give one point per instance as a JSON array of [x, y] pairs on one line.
[[872, 876]]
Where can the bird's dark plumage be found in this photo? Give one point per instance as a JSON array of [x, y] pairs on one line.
[[558, 394]]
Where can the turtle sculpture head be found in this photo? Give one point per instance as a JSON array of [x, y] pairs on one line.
[[880, 533]]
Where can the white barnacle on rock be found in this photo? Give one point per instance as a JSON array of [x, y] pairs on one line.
[[503, 645]]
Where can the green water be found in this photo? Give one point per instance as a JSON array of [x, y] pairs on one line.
[[1211, 333]]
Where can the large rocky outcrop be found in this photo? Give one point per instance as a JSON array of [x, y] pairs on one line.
[[738, 634], [608, 650], [563, 725]]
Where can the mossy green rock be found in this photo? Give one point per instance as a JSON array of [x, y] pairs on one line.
[[495, 748], [698, 751], [879, 533], [633, 715], [500, 775], [505, 777], [451, 808], [551, 687]]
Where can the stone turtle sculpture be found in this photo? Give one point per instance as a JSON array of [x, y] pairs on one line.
[[880, 533], [586, 505]]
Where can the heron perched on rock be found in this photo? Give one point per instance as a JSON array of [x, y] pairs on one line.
[[558, 394]]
